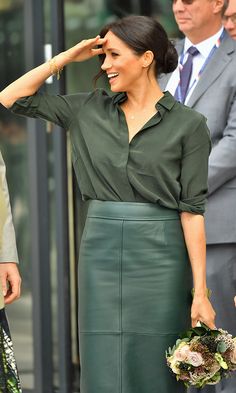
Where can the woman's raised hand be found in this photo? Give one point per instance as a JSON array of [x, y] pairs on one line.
[[84, 50], [30, 82]]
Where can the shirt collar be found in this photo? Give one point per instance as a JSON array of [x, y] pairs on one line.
[[205, 46], [167, 101], [119, 98]]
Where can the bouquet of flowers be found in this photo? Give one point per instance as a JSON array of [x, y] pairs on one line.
[[202, 356]]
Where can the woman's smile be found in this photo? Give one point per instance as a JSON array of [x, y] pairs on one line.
[[112, 76]]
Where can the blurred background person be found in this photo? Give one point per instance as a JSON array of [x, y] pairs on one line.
[[205, 80], [229, 22], [9, 288], [8, 252], [229, 18]]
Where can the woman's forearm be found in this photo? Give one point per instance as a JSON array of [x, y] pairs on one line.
[[194, 233], [30, 82]]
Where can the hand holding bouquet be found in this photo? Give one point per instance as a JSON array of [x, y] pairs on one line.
[[202, 356]]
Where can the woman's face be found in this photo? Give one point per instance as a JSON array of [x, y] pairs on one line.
[[123, 67]]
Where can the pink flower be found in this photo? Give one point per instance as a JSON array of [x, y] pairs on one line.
[[182, 353], [195, 359], [233, 355]]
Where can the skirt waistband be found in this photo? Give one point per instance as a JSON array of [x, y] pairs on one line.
[[130, 210]]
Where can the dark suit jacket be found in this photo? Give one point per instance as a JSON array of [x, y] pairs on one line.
[[215, 97]]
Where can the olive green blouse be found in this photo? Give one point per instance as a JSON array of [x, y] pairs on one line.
[[166, 162]]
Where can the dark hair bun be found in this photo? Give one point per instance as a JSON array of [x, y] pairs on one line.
[[170, 60]]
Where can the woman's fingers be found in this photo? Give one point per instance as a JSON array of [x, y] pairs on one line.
[[97, 52], [85, 49], [207, 317], [210, 324], [91, 42], [203, 311], [194, 322]]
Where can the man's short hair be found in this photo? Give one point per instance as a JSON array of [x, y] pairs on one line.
[[226, 3]]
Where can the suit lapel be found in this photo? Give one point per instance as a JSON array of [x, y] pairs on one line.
[[214, 68], [179, 46]]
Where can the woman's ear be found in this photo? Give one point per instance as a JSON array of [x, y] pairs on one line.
[[148, 58]]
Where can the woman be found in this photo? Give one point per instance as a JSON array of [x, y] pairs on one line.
[[141, 160]]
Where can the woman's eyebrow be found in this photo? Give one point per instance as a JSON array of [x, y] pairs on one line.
[[109, 49]]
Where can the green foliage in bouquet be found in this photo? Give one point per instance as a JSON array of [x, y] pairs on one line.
[[9, 380], [202, 356]]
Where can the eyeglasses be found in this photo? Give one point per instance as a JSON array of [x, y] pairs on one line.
[[184, 1], [232, 18]]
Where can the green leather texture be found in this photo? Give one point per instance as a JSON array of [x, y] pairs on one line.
[[134, 297]]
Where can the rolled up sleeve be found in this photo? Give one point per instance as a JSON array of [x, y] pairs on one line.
[[59, 109], [194, 170]]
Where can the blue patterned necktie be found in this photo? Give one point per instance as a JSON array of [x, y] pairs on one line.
[[185, 74]]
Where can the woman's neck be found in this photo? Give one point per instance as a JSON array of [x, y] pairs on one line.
[[143, 96]]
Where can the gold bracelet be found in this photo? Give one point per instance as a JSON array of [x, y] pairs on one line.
[[54, 69], [208, 292]]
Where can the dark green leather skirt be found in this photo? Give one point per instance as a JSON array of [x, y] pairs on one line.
[[134, 297]]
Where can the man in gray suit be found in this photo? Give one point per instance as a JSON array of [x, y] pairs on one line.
[[9, 274], [212, 91]]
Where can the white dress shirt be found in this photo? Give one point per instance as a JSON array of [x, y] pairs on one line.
[[205, 47]]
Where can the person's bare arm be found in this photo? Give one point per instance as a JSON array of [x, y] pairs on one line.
[[30, 82], [194, 233]]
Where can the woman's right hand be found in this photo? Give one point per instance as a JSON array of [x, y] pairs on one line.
[[30, 82], [84, 50]]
